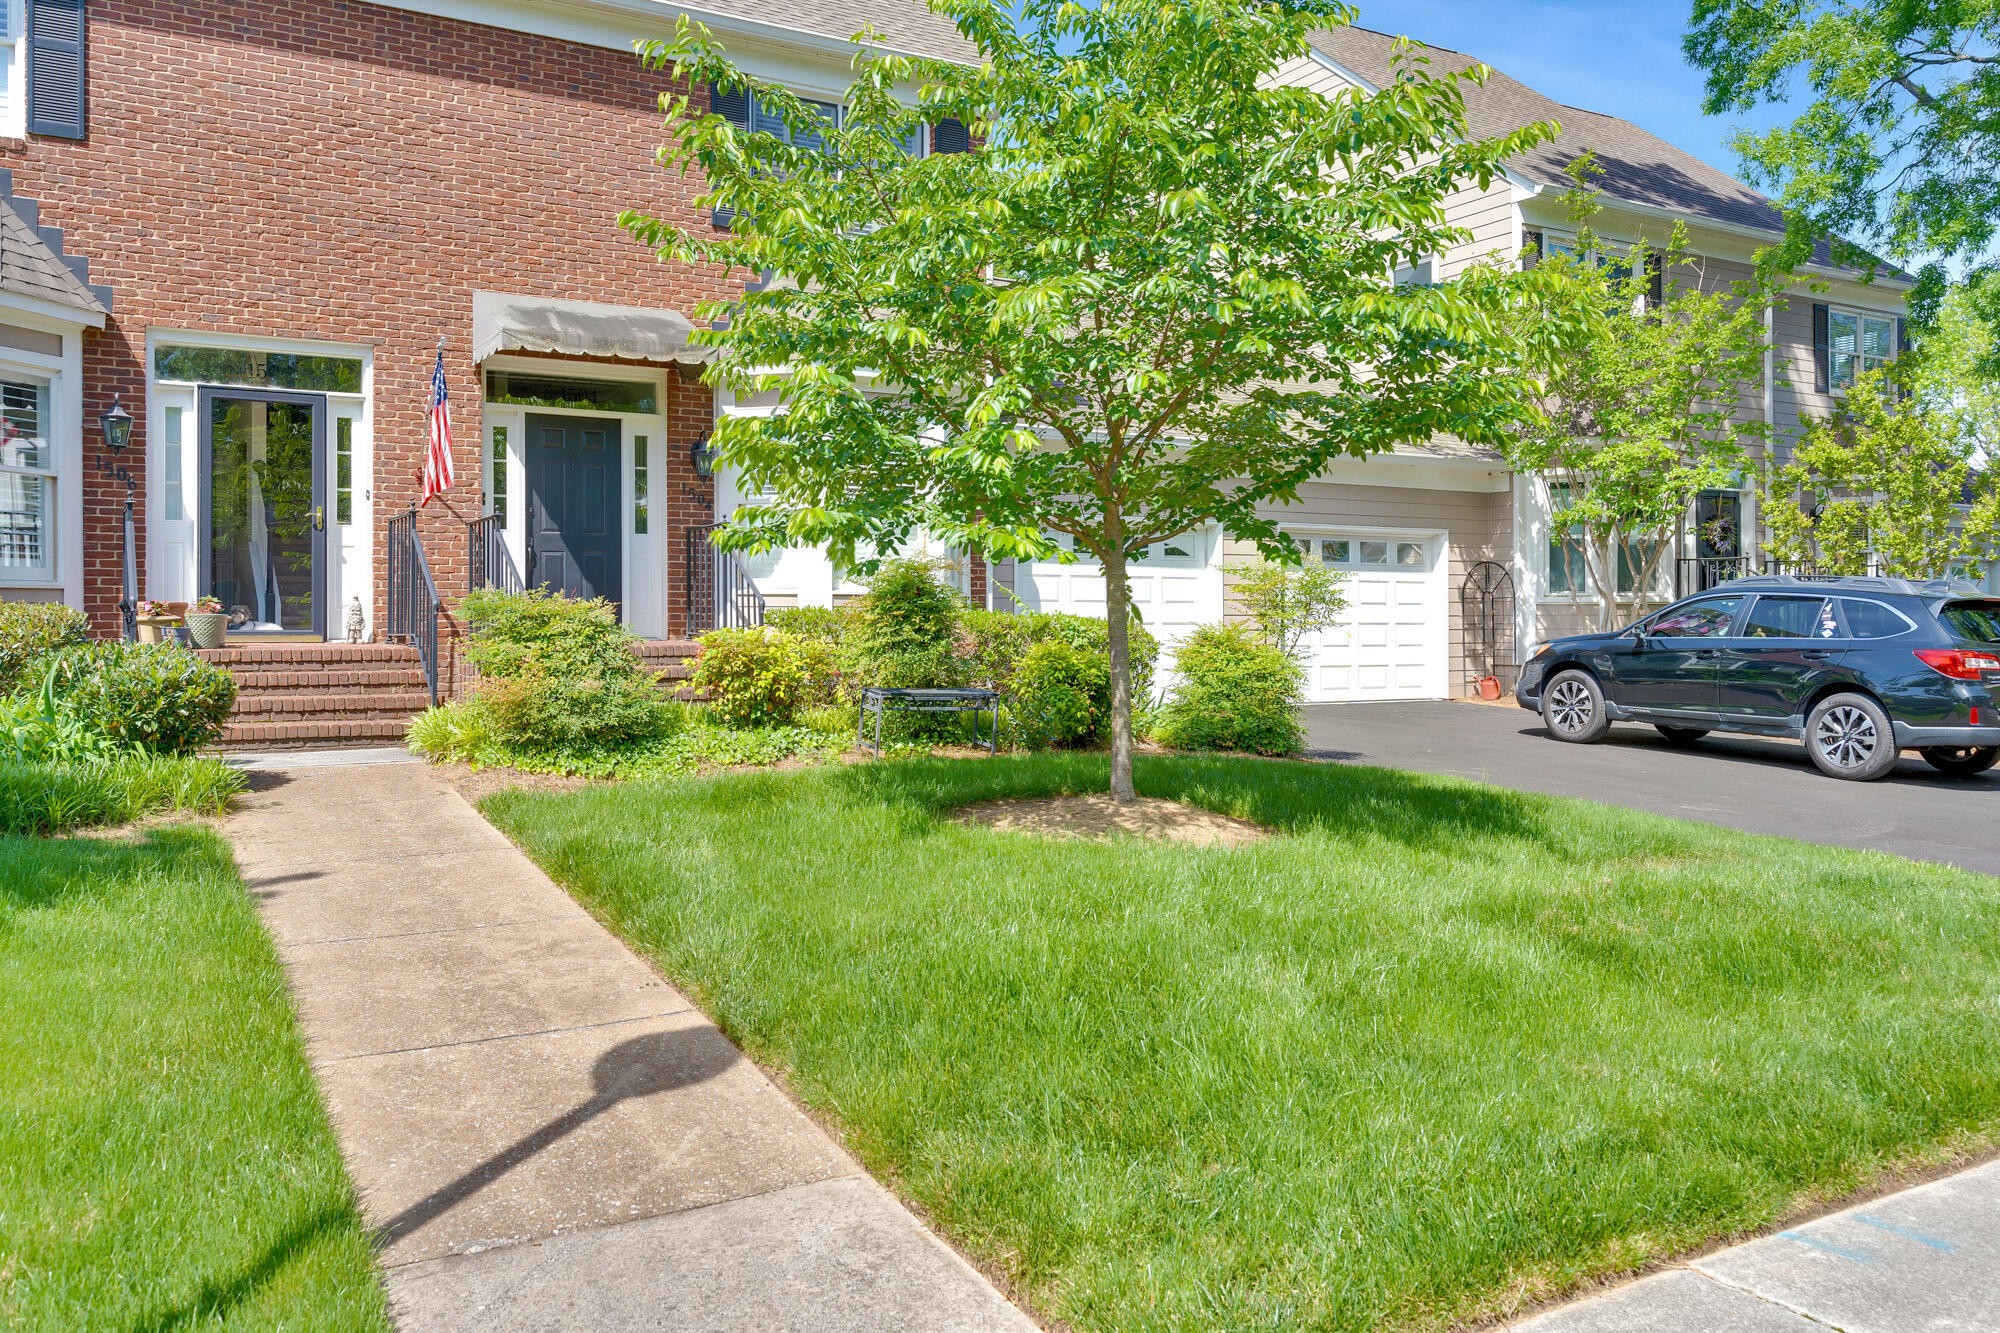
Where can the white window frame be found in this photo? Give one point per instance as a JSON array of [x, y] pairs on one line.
[[13, 69], [1862, 362], [51, 474], [1586, 595]]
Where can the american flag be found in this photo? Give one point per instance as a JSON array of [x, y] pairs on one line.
[[437, 463]]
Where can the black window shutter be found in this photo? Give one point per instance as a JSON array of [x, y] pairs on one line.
[[950, 136], [733, 105], [1902, 350], [1656, 281], [1822, 354], [55, 68], [1531, 249]]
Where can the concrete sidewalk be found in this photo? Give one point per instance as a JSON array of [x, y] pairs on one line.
[[544, 1133], [1925, 1258]]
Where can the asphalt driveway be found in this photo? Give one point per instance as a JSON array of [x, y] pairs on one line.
[[1760, 786]]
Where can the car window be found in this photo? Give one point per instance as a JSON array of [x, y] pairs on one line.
[[1706, 619], [1977, 621], [1791, 618], [1872, 620]]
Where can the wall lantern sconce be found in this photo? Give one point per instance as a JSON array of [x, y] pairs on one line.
[[702, 454], [117, 426]]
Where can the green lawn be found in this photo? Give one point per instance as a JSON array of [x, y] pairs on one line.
[[165, 1162], [1438, 1046]]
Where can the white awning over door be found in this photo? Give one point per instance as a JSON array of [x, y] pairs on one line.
[[503, 322]]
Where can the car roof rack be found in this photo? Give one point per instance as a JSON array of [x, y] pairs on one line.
[[1859, 583]]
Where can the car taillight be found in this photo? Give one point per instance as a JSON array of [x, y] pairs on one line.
[[1959, 664]]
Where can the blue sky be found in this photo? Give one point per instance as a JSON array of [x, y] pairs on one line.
[[1620, 58]]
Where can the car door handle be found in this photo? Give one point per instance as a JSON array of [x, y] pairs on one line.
[[1816, 655], [1703, 654]]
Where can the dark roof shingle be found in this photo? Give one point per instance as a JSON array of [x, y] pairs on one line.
[[1638, 167], [31, 266]]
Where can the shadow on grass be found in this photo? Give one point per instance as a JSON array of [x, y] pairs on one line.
[[218, 1297], [1410, 809], [42, 872]]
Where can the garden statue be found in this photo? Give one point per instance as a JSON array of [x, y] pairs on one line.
[[356, 622]]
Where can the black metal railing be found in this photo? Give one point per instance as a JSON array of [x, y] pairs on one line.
[[414, 607], [488, 562], [1699, 573], [720, 592]]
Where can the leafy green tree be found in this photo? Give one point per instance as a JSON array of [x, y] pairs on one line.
[[1898, 142], [1157, 293], [1952, 370], [1642, 407], [1887, 484], [1286, 602]]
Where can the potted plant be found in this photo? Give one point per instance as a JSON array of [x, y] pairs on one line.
[[206, 624], [155, 618]]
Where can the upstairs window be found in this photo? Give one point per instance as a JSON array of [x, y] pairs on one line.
[[1855, 343]]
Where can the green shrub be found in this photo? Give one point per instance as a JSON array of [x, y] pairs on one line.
[[1235, 693], [518, 633], [756, 677], [831, 719], [1001, 639], [43, 798], [906, 631], [1061, 695], [557, 675], [549, 712], [155, 696], [29, 632], [829, 625]]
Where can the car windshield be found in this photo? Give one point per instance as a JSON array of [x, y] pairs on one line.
[[1977, 621]]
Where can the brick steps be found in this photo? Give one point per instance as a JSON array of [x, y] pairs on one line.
[[668, 659], [320, 695], [297, 702], [318, 735], [323, 695]]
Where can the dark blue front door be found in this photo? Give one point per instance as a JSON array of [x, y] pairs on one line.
[[574, 509]]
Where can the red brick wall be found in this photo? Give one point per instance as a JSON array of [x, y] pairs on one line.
[[349, 173]]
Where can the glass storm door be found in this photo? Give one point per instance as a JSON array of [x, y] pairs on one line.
[[263, 500]]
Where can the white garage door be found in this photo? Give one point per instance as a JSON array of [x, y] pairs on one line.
[[1394, 639], [1176, 590]]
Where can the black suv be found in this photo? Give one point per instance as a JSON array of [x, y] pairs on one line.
[[1857, 668]]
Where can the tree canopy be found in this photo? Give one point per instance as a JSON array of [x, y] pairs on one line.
[[1897, 144], [1156, 295]]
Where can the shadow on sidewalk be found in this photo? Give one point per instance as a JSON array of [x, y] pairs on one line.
[[642, 1067]]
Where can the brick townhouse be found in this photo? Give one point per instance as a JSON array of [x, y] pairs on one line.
[[254, 226]]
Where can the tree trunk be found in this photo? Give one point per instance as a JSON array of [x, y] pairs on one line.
[[1603, 565], [1118, 624]]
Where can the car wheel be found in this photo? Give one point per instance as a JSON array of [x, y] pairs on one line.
[[1573, 708], [1961, 761], [1849, 736], [1681, 736]]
